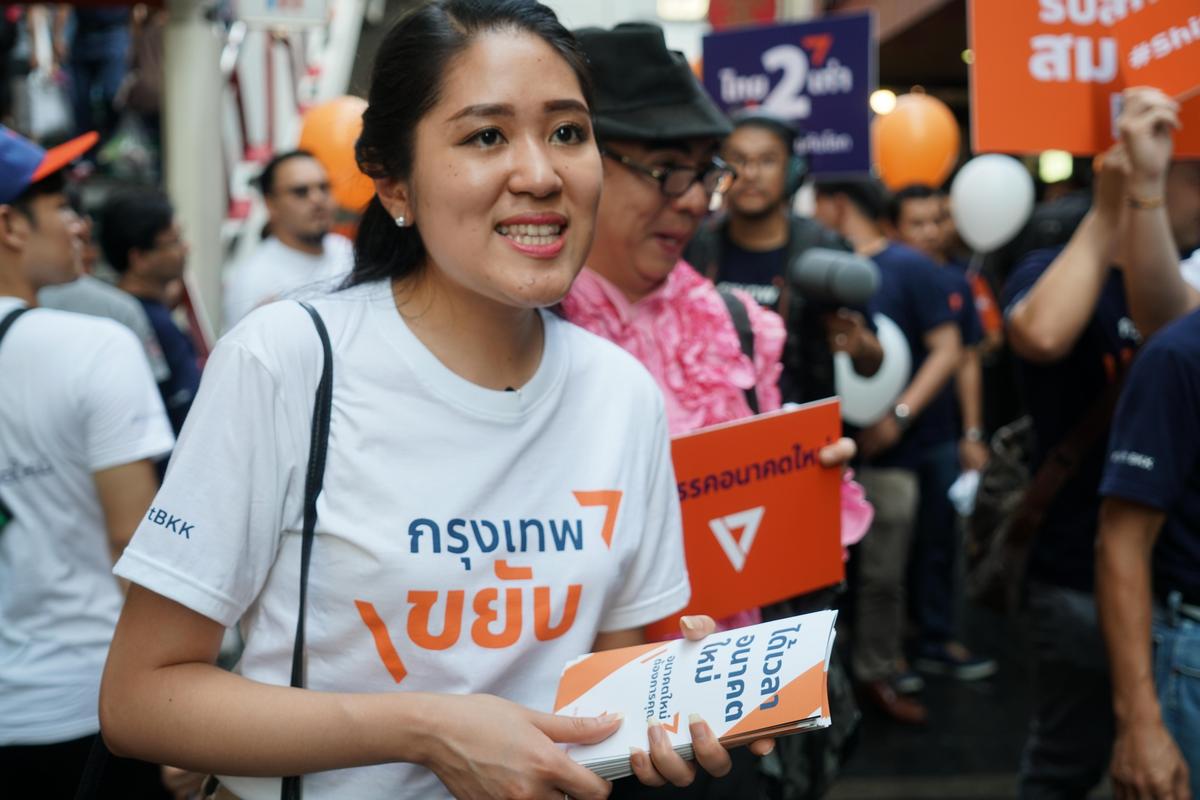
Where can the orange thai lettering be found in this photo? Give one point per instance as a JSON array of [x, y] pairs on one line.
[[419, 617], [542, 611], [486, 615], [383, 640]]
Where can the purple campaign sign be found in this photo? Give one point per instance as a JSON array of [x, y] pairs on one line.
[[819, 74]]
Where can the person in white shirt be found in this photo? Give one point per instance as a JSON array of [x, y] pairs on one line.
[[498, 496], [80, 422], [299, 251]]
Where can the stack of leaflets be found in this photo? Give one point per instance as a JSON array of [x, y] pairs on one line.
[[750, 683]]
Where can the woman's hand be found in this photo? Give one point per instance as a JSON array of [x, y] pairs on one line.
[[662, 764], [484, 747]]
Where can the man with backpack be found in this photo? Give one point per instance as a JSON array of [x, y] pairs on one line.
[[752, 246], [80, 421]]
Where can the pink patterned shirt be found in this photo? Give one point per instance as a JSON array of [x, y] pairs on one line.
[[683, 334]]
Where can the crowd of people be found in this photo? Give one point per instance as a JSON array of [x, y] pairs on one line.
[[572, 255]]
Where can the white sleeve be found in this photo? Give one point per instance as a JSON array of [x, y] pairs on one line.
[[655, 580], [212, 535], [125, 419]]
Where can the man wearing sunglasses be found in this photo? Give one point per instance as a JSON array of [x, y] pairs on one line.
[[298, 250]]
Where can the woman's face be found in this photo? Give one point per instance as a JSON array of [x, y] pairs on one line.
[[506, 174], [641, 233]]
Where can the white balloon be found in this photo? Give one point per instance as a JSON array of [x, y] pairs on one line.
[[865, 401], [991, 199]]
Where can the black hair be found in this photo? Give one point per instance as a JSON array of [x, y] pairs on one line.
[[914, 191], [782, 129], [406, 82], [867, 194], [132, 220], [54, 183], [266, 179]]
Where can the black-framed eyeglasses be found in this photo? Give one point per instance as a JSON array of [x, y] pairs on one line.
[[716, 176]]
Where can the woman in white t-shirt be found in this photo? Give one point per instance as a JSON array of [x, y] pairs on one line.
[[498, 495]]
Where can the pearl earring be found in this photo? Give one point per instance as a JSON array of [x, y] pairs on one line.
[[400, 221]]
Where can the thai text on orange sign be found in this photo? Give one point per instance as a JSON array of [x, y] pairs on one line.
[[761, 517], [1047, 74]]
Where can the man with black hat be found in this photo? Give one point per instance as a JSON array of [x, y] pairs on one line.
[[659, 134], [80, 421], [752, 244]]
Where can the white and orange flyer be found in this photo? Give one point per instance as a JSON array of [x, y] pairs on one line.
[[749, 683]]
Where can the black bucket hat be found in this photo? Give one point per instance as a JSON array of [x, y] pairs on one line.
[[645, 92]]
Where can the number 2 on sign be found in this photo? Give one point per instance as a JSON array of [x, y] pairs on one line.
[[787, 98]]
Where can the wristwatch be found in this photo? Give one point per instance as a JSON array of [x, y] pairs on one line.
[[903, 416], [973, 434]]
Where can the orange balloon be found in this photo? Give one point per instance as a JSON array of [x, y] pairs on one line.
[[329, 131], [917, 143]]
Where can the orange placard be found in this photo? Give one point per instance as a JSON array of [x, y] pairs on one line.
[[1047, 74], [761, 517], [1160, 46]]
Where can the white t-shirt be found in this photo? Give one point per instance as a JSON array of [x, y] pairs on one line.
[[554, 506], [76, 397], [88, 294], [274, 271]]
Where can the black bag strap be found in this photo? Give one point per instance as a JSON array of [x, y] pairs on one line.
[[313, 482], [741, 323], [9, 319]]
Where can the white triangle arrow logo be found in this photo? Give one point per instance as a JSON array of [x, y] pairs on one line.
[[723, 527]]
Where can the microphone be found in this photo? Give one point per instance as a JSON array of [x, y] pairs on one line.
[[833, 276]]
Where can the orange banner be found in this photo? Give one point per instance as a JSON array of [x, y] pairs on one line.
[[1048, 74], [1160, 46], [761, 517]]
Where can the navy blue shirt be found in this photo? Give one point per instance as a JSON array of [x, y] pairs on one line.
[[179, 389], [912, 293], [962, 304], [759, 274], [1058, 396], [1154, 451]]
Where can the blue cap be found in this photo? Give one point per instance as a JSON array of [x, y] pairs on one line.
[[23, 163]]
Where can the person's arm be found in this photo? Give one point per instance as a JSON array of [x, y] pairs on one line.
[[164, 700], [944, 344], [848, 333], [125, 492], [972, 449], [61, 47], [1045, 324], [1146, 762], [1154, 285]]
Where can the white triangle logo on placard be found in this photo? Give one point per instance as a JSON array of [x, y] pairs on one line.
[[736, 549]]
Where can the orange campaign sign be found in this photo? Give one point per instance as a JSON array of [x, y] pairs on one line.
[[761, 517], [1048, 74], [1160, 46]]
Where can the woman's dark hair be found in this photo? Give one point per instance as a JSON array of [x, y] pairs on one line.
[[132, 220], [406, 83]]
